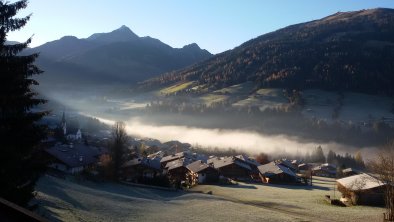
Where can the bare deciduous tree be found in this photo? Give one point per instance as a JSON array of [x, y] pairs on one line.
[[383, 166], [118, 148]]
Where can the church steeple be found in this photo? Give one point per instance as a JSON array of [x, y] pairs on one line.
[[63, 123]]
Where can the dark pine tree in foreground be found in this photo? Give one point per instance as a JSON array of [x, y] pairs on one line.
[[20, 136]]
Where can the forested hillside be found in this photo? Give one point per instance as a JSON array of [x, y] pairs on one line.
[[351, 51]]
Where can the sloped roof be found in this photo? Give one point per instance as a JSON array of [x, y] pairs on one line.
[[75, 155], [273, 168], [149, 162], [173, 157], [225, 161], [348, 170], [248, 160], [360, 182], [178, 163], [286, 163], [197, 166]]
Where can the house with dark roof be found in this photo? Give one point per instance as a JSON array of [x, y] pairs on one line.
[[287, 163], [274, 172], [362, 189], [252, 163], [203, 173], [325, 170], [73, 158], [178, 173], [231, 167], [171, 158], [304, 167], [141, 169], [350, 172]]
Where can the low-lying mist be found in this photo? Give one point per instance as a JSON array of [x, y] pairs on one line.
[[248, 141], [205, 132]]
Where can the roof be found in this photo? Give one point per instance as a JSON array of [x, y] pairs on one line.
[[360, 182], [248, 160], [148, 162], [285, 163], [173, 157], [220, 162], [197, 166], [273, 168], [178, 163], [348, 170], [75, 155]]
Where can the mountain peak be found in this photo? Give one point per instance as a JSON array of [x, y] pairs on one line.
[[193, 46], [122, 34]]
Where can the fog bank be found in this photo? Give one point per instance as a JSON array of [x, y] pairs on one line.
[[249, 141]]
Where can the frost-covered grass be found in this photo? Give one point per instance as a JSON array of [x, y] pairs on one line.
[[303, 200], [69, 201]]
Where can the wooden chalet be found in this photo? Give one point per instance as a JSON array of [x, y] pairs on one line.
[[178, 173], [170, 158], [361, 189], [274, 172], [325, 170], [141, 169], [203, 173], [231, 167], [75, 158]]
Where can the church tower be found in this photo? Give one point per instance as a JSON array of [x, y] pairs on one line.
[[63, 124]]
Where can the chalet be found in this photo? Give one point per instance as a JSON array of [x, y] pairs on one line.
[[186, 154], [286, 163], [350, 172], [203, 173], [304, 167], [361, 189], [231, 167], [141, 169], [325, 170], [252, 163], [170, 158], [274, 172], [73, 158], [177, 171]]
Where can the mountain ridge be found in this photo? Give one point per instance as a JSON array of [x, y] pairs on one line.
[[344, 51], [116, 57]]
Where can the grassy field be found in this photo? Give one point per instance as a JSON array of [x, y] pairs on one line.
[[64, 200], [356, 107], [304, 203], [175, 88]]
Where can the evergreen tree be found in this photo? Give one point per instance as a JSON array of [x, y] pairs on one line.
[[359, 160], [331, 157], [20, 134], [318, 155]]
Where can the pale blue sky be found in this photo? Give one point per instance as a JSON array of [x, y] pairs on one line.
[[215, 25]]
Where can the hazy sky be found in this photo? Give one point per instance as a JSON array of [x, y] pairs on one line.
[[216, 25]]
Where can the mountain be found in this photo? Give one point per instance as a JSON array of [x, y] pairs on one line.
[[123, 34], [351, 51], [118, 57]]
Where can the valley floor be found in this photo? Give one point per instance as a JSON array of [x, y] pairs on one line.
[[65, 200]]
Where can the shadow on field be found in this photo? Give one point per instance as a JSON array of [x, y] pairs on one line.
[[298, 187], [243, 186], [53, 188]]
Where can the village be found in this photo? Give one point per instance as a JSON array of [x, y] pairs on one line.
[[177, 166]]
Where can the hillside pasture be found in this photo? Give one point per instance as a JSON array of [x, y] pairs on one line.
[[175, 88]]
